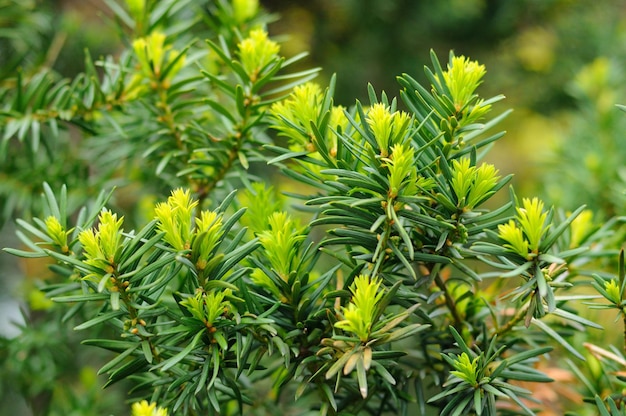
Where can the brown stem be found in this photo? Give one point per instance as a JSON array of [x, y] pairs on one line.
[[167, 116], [450, 303], [238, 138], [509, 325], [624, 321], [232, 156], [134, 316]]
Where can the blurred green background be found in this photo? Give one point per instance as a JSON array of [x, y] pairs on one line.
[[560, 63]]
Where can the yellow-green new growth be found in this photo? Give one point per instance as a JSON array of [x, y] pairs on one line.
[[466, 369], [261, 202], [402, 171], [471, 184], [581, 228], [612, 289], [101, 245], [360, 313], [136, 8], [299, 109], [256, 52], [281, 243], [514, 236], [143, 408], [532, 219], [209, 231], [175, 219], [207, 307], [485, 179], [244, 10], [388, 128], [462, 178], [524, 234], [57, 233], [462, 79], [293, 116], [154, 56]]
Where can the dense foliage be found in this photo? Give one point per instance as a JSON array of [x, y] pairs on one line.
[[285, 254]]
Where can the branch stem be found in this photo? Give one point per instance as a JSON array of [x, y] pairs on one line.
[[450, 302]]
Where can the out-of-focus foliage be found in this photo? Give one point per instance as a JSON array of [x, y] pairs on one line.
[[538, 48], [587, 160], [40, 43]]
